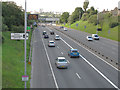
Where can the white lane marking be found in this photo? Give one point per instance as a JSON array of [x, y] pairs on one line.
[[50, 65], [66, 43], [93, 67], [68, 61], [92, 53], [61, 52], [57, 47], [78, 75]]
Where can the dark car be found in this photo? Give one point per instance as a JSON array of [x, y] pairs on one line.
[[61, 27], [44, 32], [52, 32], [46, 36]]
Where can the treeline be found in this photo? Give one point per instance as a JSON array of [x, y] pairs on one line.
[[89, 15], [13, 17]]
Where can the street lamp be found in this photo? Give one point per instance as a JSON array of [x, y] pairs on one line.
[[25, 38], [79, 15], [97, 20]]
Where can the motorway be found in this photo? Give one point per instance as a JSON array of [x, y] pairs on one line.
[[105, 46], [88, 71]]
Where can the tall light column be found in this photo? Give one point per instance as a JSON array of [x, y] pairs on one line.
[[25, 38]]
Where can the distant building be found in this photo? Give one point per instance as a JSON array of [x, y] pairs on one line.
[[115, 12]]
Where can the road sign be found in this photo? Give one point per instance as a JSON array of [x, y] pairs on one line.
[[19, 36], [25, 78], [28, 29], [108, 31], [33, 16], [77, 24], [99, 29]]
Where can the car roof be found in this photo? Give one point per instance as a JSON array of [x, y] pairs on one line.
[[94, 34], [89, 36], [74, 50], [51, 41], [61, 57]]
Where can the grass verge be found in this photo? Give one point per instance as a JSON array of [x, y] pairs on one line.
[[110, 33], [13, 62]]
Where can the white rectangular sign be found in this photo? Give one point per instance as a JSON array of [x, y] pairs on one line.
[[25, 78], [19, 36]]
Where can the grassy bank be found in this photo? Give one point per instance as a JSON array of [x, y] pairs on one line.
[[110, 33], [13, 62]]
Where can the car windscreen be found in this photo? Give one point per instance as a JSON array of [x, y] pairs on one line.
[[89, 37], [62, 60], [96, 35]]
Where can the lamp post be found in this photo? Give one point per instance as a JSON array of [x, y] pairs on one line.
[[79, 15], [25, 38], [97, 20]]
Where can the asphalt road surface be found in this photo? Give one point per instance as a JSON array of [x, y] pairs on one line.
[[105, 46], [88, 71]]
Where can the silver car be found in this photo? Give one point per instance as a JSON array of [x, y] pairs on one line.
[[65, 29], [61, 62], [51, 43], [89, 38], [57, 37]]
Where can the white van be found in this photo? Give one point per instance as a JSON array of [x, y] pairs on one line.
[[95, 36]]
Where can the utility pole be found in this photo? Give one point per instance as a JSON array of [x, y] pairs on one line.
[[25, 38], [79, 15], [97, 20]]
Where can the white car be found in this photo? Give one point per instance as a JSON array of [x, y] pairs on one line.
[[95, 36], [65, 29], [61, 62], [89, 38], [57, 37], [51, 43]]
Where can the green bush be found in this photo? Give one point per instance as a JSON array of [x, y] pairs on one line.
[[4, 27], [17, 29], [113, 24]]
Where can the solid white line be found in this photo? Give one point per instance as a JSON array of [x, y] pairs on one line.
[[78, 75], [93, 67], [66, 43], [57, 47], [61, 52], [68, 61], [92, 53], [50, 65], [99, 72]]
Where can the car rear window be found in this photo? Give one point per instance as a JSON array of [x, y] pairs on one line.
[[74, 51], [62, 60], [57, 36], [51, 42], [89, 37]]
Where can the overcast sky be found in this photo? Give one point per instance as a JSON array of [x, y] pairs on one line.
[[65, 5]]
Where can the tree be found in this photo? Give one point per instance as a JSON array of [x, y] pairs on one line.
[[76, 15], [93, 19], [91, 11], [12, 14], [64, 17], [85, 5]]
